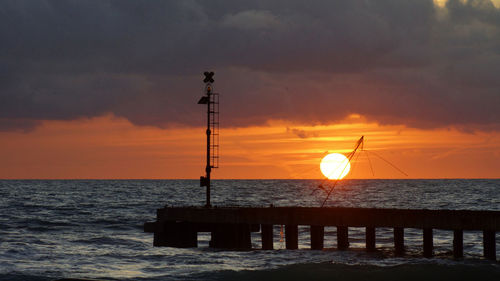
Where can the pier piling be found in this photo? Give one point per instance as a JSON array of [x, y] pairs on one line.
[[342, 238], [428, 243], [489, 244], [231, 236], [370, 238], [458, 243], [267, 236], [399, 241], [317, 237], [292, 236]]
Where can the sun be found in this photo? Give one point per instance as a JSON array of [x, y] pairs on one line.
[[335, 166]]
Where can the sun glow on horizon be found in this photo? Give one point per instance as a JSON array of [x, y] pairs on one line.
[[110, 147], [335, 166]]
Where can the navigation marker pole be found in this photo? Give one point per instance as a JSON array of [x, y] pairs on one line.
[[212, 101]]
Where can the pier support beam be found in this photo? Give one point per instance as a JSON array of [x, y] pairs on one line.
[[428, 243], [399, 241], [458, 243], [175, 234], [267, 236], [342, 237], [317, 237], [292, 236], [370, 238], [489, 244], [231, 236]]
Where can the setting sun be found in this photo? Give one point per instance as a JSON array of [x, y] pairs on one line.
[[335, 166]]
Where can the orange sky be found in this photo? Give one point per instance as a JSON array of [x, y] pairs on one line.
[[113, 148]]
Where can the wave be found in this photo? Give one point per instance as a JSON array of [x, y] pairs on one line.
[[23, 277]]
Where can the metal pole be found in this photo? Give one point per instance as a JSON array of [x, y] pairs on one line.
[[205, 181], [208, 168]]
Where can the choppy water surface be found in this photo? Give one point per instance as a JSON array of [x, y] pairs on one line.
[[93, 229]]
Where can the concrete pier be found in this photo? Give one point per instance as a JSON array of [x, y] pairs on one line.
[[230, 228]]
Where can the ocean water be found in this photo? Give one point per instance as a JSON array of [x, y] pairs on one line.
[[52, 229]]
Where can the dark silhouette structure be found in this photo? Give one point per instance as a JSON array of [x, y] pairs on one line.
[[211, 99], [231, 227]]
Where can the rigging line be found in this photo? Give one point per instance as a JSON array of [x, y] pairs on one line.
[[387, 162], [327, 177], [355, 162], [338, 166], [369, 161], [337, 180], [359, 143], [350, 158], [334, 184], [307, 170], [329, 192], [350, 155], [319, 187]]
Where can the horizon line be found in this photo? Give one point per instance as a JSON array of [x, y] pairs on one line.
[[124, 179]]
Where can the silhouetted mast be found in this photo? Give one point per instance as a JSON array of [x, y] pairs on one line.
[[359, 144], [211, 99]]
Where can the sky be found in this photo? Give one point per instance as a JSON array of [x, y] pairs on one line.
[[108, 89]]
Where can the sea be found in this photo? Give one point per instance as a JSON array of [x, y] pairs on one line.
[[93, 229]]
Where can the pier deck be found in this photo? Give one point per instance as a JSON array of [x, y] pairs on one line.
[[230, 227]]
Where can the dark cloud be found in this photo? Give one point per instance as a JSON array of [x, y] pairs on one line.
[[396, 62], [303, 134]]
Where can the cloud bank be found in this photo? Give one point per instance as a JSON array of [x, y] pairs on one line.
[[315, 62]]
